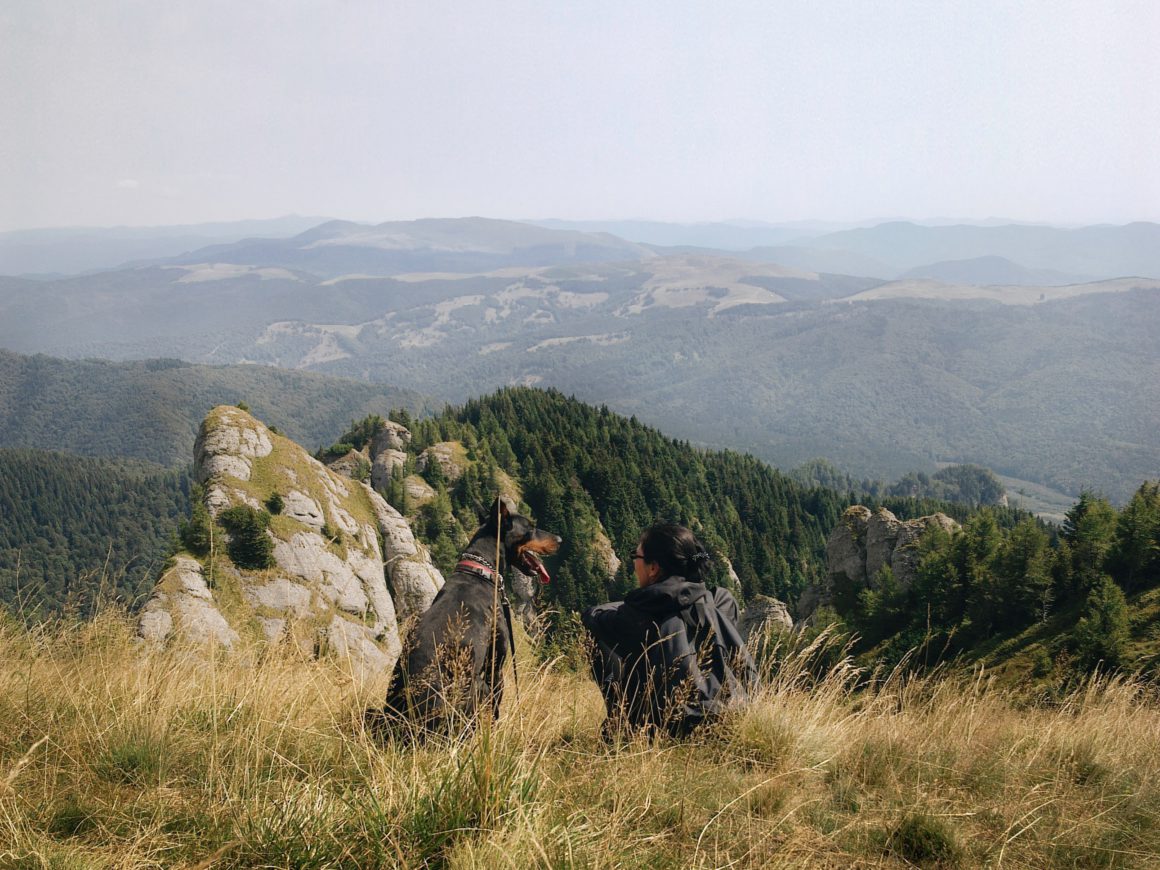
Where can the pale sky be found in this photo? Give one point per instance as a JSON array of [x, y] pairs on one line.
[[147, 112]]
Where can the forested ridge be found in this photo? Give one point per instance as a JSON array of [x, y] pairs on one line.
[[1058, 601], [72, 524], [150, 409], [74, 528], [1005, 585], [1061, 600], [585, 470]]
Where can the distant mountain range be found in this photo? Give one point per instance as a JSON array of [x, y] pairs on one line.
[[979, 253], [435, 245], [1093, 252], [1057, 384], [66, 251], [990, 270]]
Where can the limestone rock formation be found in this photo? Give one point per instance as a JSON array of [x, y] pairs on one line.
[[184, 596], [392, 436], [332, 586], [448, 455], [522, 594], [354, 465], [764, 613], [418, 490], [415, 581], [388, 453], [864, 542], [605, 553]]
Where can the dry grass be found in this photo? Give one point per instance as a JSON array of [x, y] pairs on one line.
[[112, 755]]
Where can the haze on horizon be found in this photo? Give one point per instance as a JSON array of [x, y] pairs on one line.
[[124, 112]]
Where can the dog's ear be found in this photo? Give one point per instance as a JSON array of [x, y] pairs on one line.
[[501, 509]]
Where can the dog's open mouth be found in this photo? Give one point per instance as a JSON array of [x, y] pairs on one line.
[[530, 564]]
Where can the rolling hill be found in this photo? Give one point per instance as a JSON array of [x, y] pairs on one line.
[[1050, 384], [151, 410]]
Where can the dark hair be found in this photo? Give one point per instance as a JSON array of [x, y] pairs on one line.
[[676, 550]]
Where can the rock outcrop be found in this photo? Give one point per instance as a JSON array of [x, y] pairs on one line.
[[522, 594], [388, 453], [448, 454], [345, 566], [185, 599], [865, 542], [764, 613], [354, 465]]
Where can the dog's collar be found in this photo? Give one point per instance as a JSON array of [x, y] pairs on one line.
[[469, 563], [469, 556]]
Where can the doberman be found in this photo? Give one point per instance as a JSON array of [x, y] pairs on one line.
[[453, 660]]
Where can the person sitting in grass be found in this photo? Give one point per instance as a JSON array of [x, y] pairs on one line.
[[669, 657]]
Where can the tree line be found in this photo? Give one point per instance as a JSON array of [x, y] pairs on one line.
[[987, 581], [74, 529], [586, 472]]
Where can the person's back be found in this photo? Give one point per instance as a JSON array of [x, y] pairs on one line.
[[670, 655]]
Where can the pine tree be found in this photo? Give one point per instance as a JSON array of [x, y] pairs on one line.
[[1101, 635], [1134, 559], [1089, 530]]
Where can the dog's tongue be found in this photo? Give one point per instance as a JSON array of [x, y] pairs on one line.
[[542, 572], [537, 566]]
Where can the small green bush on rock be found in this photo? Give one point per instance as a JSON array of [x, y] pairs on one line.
[[250, 546]]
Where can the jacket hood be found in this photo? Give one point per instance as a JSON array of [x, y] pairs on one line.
[[666, 597]]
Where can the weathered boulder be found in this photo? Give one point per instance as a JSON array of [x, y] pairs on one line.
[[388, 453], [183, 600], [354, 464], [904, 560], [881, 538], [522, 593], [764, 613], [605, 553], [418, 490], [862, 544], [392, 436], [449, 456], [331, 582], [846, 547], [386, 465]]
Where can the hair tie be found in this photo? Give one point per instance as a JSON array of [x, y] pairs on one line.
[[702, 556]]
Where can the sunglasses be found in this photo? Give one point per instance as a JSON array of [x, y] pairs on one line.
[[633, 555]]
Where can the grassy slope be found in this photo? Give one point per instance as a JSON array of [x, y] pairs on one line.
[[1043, 501], [114, 757], [1038, 654]]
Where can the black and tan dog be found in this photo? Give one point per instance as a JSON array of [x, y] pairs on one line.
[[453, 660]]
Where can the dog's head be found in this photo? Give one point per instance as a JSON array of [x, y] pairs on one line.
[[523, 543]]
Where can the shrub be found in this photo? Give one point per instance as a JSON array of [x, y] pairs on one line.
[[1102, 634], [275, 503], [923, 840], [71, 818], [250, 546], [137, 756], [197, 532], [361, 470], [335, 451]]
